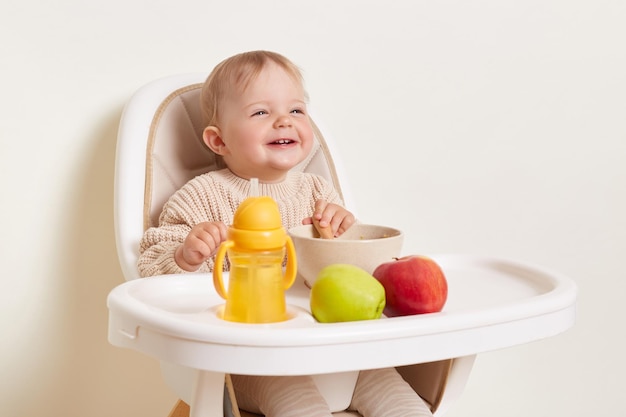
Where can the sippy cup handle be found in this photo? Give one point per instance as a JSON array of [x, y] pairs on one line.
[[292, 265], [218, 267]]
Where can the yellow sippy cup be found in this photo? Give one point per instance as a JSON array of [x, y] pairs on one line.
[[256, 247]]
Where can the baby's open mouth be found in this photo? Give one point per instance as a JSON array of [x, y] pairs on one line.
[[282, 142]]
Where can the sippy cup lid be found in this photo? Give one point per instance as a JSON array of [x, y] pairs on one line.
[[257, 225], [257, 213]]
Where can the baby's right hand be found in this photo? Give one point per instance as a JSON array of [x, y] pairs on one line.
[[200, 244]]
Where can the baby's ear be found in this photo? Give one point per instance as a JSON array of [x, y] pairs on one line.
[[212, 138]]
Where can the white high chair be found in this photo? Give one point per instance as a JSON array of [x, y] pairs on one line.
[[159, 149]]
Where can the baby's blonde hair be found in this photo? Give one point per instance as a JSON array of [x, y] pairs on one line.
[[237, 72]]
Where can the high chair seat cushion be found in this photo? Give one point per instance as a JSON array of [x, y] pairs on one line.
[[176, 152]]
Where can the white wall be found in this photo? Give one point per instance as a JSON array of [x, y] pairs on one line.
[[514, 109]]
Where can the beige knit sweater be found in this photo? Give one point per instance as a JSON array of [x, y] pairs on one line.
[[215, 196]]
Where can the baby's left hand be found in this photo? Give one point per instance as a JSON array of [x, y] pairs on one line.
[[331, 214]]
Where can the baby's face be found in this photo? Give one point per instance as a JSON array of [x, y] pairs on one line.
[[266, 129]]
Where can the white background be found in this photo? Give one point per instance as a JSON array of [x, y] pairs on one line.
[[494, 127]]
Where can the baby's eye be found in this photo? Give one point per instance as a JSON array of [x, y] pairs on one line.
[[259, 113], [297, 111]]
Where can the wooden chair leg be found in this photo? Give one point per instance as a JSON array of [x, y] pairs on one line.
[[181, 409], [230, 392]]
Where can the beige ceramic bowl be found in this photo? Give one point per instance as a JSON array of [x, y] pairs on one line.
[[363, 245]]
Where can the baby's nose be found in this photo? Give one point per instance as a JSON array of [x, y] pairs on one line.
[[283, 120]]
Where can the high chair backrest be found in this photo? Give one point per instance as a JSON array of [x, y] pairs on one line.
[[160, 148]]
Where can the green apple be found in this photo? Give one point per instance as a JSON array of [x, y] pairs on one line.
[[344, 292]]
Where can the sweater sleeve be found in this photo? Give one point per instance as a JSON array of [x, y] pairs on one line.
[[158, 246], [186, 208], [157, 249]]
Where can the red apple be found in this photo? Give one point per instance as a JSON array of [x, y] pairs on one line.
[[413, 284]]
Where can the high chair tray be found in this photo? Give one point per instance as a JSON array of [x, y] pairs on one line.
[[492, 303]]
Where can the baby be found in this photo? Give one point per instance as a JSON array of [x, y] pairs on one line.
[[255, 111]]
